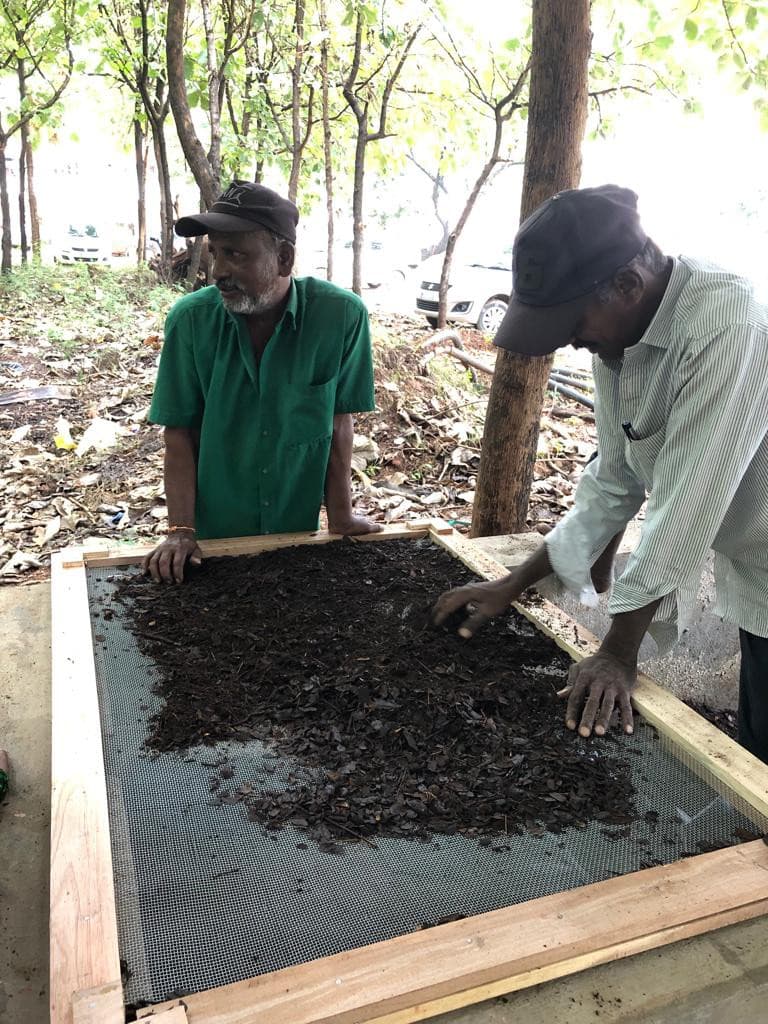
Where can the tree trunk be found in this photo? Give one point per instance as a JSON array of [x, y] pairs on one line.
[[357, 209], [195, 155], [22, 199], [442, 295], [214, 93], [140, 155], [34, 215], [327, 146], [5, 208], [166, 200], [195, 257], [557, 114], [23, 146], [438, 186], [296, 127]]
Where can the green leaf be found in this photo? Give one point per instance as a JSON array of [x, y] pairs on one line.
[[751, 19], [691, 28]]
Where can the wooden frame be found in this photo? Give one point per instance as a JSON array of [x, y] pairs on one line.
[[405, 979]]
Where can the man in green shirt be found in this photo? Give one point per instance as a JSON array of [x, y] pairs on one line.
[[258, 379]]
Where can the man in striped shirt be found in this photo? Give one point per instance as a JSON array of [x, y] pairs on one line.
[[681, 385]]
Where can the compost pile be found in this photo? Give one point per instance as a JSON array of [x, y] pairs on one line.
[[328, 654]]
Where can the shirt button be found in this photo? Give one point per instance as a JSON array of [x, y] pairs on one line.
[[265, 433], [265, 471], [265, 503]]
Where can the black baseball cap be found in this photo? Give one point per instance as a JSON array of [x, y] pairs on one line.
[[562, 252], [244, 206]]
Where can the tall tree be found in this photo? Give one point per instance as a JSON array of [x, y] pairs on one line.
[[368, 93], [557, 115], [141, 156], [194, 151], [327, 138], [495, 106], [133, 34], [225, 31], [36, 45]]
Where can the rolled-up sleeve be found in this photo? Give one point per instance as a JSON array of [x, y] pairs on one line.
[[607, 496], [717, 422]]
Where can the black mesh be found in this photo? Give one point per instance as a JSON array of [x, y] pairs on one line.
[[206, 897]]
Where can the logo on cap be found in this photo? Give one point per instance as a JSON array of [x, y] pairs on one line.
[[530, 272], [234, 195]]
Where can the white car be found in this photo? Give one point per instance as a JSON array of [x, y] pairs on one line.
[[478, 291], [83, 243], [382, 264]]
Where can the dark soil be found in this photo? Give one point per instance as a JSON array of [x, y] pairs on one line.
[[328, 654], [722, 718]]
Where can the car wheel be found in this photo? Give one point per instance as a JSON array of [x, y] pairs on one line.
[[432, 321], [491, 316]]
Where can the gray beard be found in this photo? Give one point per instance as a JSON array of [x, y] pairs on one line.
[[249, 305]]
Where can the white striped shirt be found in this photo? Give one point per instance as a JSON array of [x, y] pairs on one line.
[[695, 391]]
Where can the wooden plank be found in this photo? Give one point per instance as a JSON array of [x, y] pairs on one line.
[[83, 930], [527, 979], [175, 1015], [425, 973], [720, 756], [417, 976], [254, 545], [99, 1005]]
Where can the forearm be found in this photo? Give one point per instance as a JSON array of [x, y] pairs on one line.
[[525, 575], [180, 473], [338, 490], [623, 639]]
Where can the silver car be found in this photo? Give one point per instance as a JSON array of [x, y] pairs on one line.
[[478, 291]]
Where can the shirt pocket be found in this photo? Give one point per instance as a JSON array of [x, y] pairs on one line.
[[642, 453], [310, 413]]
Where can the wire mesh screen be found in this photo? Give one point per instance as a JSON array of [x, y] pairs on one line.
[[206, 897]]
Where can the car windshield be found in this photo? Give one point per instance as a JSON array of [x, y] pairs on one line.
[[83, 231]]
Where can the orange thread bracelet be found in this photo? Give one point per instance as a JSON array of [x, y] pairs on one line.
[[172, 529]]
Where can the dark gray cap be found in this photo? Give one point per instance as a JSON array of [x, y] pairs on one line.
[[567, 247], [245, 206]]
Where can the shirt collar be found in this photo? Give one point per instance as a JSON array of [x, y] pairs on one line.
[[657, 331], [292, 307]]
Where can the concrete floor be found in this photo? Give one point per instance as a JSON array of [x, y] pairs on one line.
[[25, 732], [703, 666], [712, 979]]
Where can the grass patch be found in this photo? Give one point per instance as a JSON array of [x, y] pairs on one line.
[[73, 307]]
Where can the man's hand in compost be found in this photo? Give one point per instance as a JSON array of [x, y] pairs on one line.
[[597, 686], [603, 683], [483, 601], [166, 564]]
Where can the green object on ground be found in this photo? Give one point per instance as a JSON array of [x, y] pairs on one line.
[[3, 784]]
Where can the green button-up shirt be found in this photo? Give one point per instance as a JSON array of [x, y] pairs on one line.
[[265, 432]]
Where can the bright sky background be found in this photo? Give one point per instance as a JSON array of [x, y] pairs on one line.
[[701, 179]]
